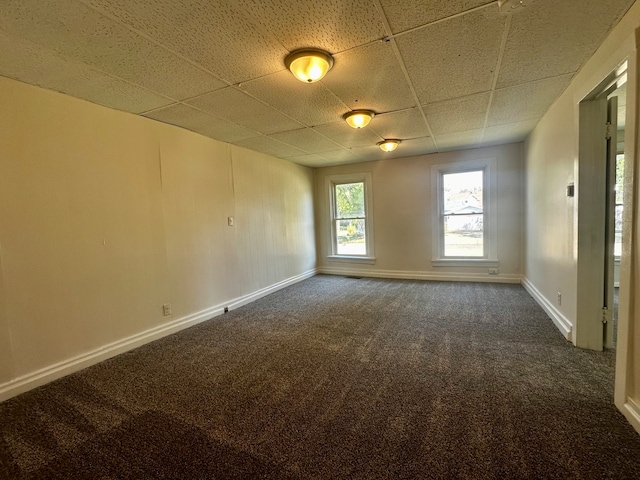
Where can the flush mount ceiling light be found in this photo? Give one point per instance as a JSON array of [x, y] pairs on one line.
[[388, 145], [309, 65], [359, 118]]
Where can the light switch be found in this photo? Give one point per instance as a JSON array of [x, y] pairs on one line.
[[230, 221]]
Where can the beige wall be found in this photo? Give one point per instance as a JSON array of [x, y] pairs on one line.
[[402, 206], [551, 157], [105, 216]]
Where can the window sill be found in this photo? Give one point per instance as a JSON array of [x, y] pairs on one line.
[[351, 259], [464, 262]]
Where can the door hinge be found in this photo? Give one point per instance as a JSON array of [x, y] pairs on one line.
[[608, 131], [607, 315]]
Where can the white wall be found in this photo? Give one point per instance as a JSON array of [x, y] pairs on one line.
[[551, 158], [105, 216], [402, 206]]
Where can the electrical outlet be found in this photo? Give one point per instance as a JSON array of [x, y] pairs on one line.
[[226, 309], [559, 298], [493, 271], [166, 309]]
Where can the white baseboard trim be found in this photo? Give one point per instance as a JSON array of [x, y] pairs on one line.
[[58, 370], [562, 323], [412, 275], [631, 411]]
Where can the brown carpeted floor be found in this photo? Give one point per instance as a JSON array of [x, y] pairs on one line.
[[337, 378]]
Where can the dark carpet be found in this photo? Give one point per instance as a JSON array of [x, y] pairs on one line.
[[337, 378]]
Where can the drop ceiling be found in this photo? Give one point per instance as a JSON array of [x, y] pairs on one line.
[[440, 74]]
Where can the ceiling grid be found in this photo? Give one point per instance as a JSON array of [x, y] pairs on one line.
[[440, 74]]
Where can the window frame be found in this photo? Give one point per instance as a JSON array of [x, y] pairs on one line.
[[331, 182], [489, 207]]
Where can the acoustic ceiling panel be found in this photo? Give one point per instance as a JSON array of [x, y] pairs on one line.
[[197, 121], [454, 141], [454, 58], [459, 114], [332, 25], [404, 15], [306, 140], [270, 146], [218, 35], [348, 137], [403, 124], [97, 41], [513, 132], [237, 107], [308, 160], [310, 104], [551, 38], [525, 102], [24, 61], [370, 77]]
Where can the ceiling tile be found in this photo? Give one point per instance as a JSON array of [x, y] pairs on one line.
[[237, 107], [347, 136], [310, 104], [201, 122], [309, 160], [406, 14], [365, 154], [550, 38], [458, 115], [414, 146], [339, 156], [526, 102], [454, 58], [455, 141], [404, 124], [95, 40], [332, 25], [269, 146], [32, 64], [306, 140], [216, 35], [513, 132], [370, 77]]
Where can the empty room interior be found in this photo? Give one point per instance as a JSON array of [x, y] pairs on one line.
[[319, 239]]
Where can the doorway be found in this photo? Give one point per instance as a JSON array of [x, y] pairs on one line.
[[599, 211]]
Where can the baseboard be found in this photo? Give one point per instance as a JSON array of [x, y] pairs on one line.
[[562, 323], [631, 411], [53, 372], [413, 275]]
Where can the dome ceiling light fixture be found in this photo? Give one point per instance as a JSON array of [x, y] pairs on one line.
[[388, 145], [359, 118], [308, 64]]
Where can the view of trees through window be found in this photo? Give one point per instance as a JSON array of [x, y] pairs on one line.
[[463, 214], [350, 219]]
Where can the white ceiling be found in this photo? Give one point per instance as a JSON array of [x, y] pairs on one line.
[[440, 74]]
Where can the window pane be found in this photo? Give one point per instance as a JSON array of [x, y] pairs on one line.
[[619, 178], [351, 237], [350, 200], [463, 236], [617, 248], [462, 192]]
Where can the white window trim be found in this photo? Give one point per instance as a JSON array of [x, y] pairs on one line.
[[490, 212], [333, 180]]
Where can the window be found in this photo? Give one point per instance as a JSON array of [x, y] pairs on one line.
[[350, 217], [464, 225], [617, 249]]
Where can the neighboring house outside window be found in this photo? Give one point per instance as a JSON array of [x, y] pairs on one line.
[[351, 214], [464, 223]]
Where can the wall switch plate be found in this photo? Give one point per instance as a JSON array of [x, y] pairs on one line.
[[166, 309], [230, 221]]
